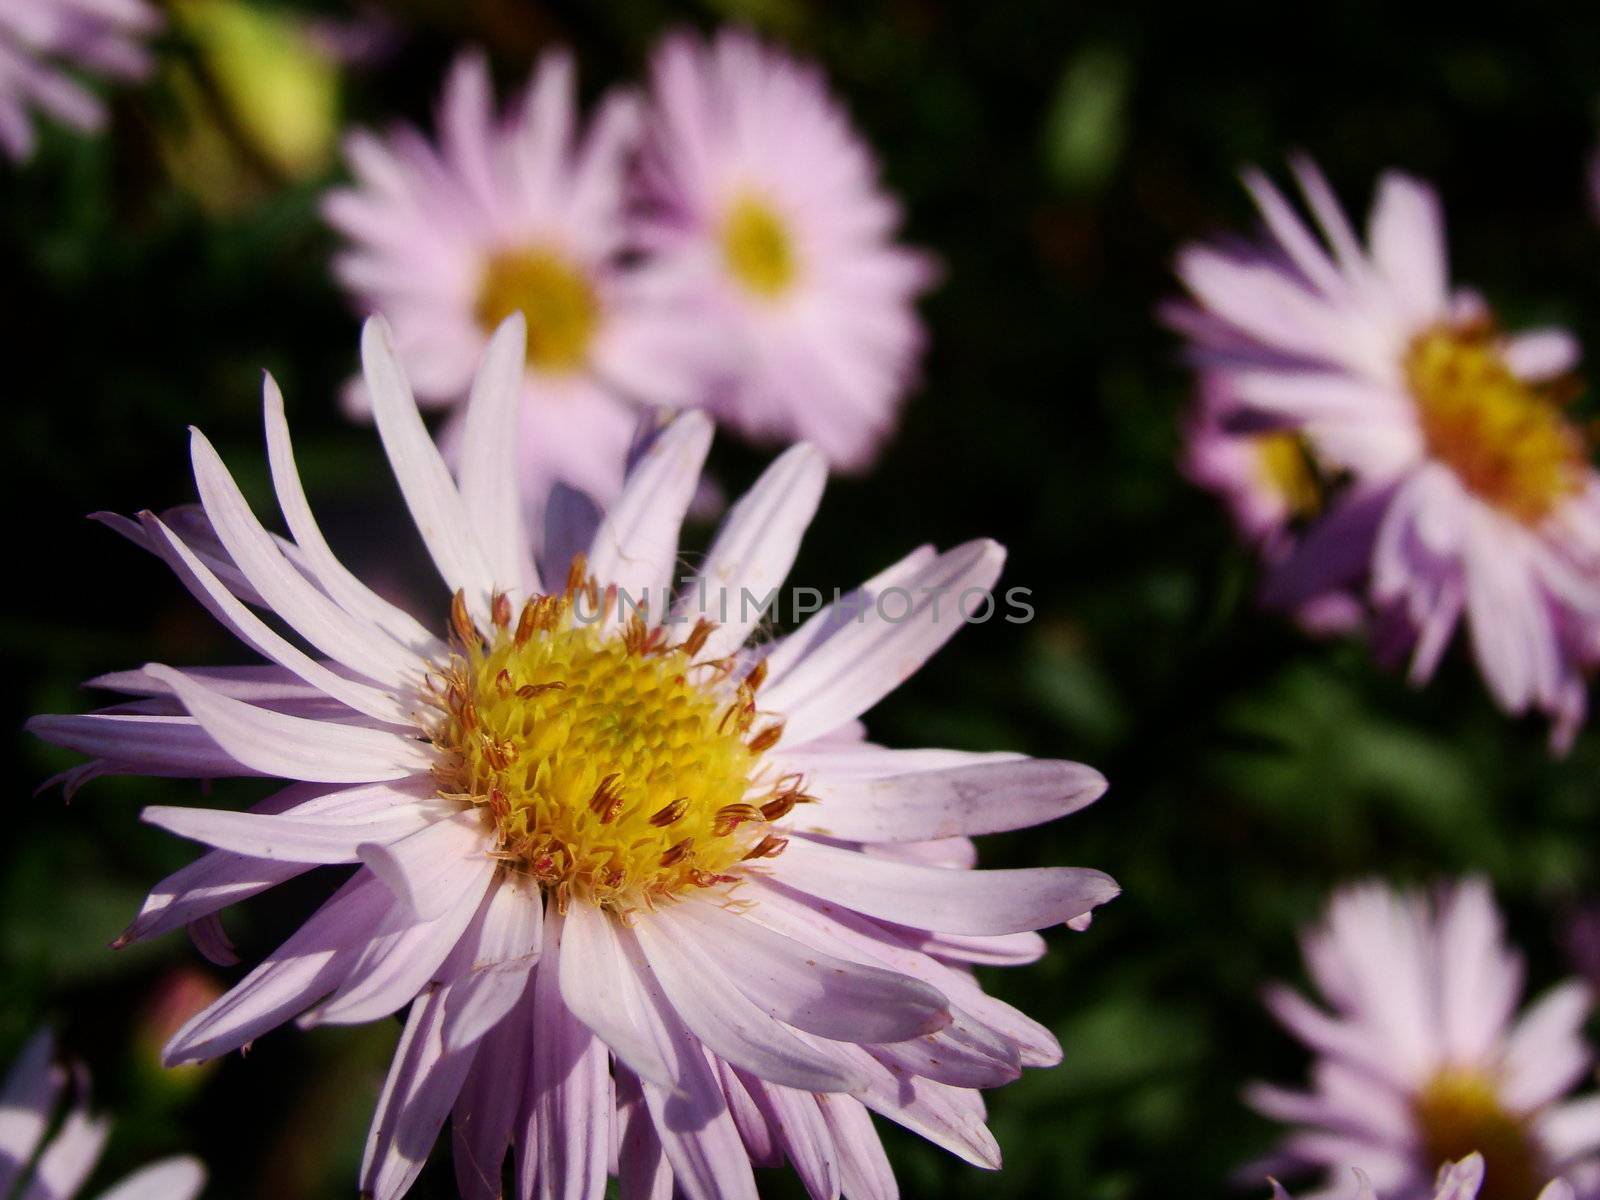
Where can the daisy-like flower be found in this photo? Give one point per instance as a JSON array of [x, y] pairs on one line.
[[1423, 1059], [656, 905], [1466, 491], [42, 41], [1457, 1181], [522, 212], [1264, 475], [760, 194], [33, 1093]]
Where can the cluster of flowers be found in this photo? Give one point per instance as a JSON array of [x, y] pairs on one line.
[[720, 242], [719, 933], [1401, 459]]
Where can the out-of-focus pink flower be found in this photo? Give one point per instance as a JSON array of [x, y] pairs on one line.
[[1457, 1181], [1465, 491], [1423, 1059], [525, 212], [43, 41], [33, 1093], [761, 196], [656, 906]]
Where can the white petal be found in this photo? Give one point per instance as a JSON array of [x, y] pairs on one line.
[[169, 1179], [729, 1024], [960, 801], [953, 901], [293, 747], [502, 953], [869, 658], [306, 609], [206, 587], [430, 494], [755, 549], [426, 870], [636, 546], [348, 591], [423, 1083], [378, 813], [488, 457], [592, 963], [32, 1090], [832, 997]]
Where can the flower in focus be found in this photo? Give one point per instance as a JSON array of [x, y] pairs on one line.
[[30, 1099], [520, 213], [760, 193], [1457, 1181], [41, 41], [1465, 490], [1423, 1060], [656, 904]]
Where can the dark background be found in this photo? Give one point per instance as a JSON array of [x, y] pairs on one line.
[[1054, 156]]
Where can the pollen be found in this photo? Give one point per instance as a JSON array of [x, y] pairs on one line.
[[615, 767], [1284, 467], [554, 296], [1460, 1112], [1508, 441], [758, 248]]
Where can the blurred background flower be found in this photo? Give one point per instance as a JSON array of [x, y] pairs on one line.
[[44, 42], [1424, 1060], [58, 1166]]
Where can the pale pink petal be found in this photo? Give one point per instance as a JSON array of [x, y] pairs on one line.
[[565, 1144], [989, 798], [348, 591], [636, 546], [501, 952], [424, 480], [423, 1083], [931, 897], [754, 550], [287, 592], [832, 997], [592, 960], [489, 491], [295, 748], [713, 1008], [170, 1179], [867, 660]]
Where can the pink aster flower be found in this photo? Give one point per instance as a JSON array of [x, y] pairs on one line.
[[43, 41], [761, 195], [1457, 1181], [1467, 492], [29, 1102], [521, 212], [1273, 489], [1423, 1060], [656, 906]]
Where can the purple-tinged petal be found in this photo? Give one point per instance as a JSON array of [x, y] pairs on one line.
[[972, 902]]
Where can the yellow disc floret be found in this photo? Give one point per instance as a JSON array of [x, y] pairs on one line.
[[758, 248], [554, 296], [615, 768], [1459, 1112], [1507, 440], [1284, 466]]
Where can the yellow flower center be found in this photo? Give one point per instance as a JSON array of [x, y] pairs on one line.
[[758, 248], [1507, 440], [556, 299], [1284, 466], [1458, 1113], [616, 769]]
